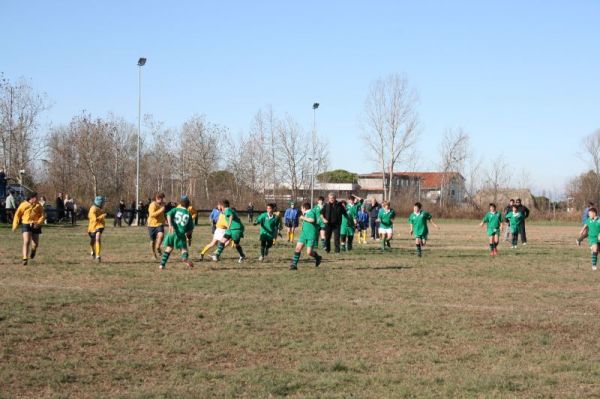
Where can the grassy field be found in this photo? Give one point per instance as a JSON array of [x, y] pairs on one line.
[[455, 323]]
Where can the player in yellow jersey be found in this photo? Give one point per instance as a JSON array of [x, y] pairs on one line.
[[156, 223], [220, 228], [96, 224], [30, 214], [194, 217]]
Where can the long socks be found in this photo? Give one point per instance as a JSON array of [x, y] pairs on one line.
[[164, 259], [263, 248], [98, 248], [349, 240], [295, 259], [220, 248], [92, 246], [205, 249], [419, 251], [240, 250], [594, 258]]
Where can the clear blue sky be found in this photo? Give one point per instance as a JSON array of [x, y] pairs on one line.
[[522, 77]]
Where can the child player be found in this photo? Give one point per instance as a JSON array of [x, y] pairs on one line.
[[219, 226], [156, 223], [515, 218], [96, 224], [317, 208], [418, 226], [269, 227], [234, 232], [592, 228], [30, 214], [385, 218], [493, 219], [290, 218], [362, 225], [180, 223], [308, 237]]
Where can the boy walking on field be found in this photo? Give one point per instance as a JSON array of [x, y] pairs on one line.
[[156, 223], [269, 227], [592, 228], [308, 237], [30, 214], [418, 226], [96, 224], [515, 218], [385, 219], [234, 233], [493, 219], [180, 223]]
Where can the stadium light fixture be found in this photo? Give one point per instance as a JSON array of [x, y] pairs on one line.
[[312, 162], [141, 63]]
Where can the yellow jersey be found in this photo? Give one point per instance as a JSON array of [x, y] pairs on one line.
[[221, 221], [96, 217], [192, 212], [156, 215], [28, 213]]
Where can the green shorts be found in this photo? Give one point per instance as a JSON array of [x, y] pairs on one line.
[[495, 233], [234, 235], [422, 236], [593, 242], [310, 243], [175, 241], [266, 237]]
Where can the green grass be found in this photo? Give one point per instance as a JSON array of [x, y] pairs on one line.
[[455, 323]]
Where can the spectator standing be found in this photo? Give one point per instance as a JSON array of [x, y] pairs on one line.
[[44, 203], [291, 217], [141, 214], [214, 217], [70, 209], [2, 183], [332, 214], [119, 214], [131, 214], [507, 210], [525, 212], [250, 211], [60, 207], [11, 206], [373, 211]]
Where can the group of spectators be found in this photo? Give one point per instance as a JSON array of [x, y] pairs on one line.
[[129, 214]]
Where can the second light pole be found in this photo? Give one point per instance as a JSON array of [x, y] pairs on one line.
[[141, 63], [314, 146]]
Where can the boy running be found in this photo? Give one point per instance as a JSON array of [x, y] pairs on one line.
[[156, 223], [219, 228], [493, 219], [269, 227], [317, 208], [308, 237], [180, 223], [592, 228], [385, 219], [30, 214], [96, 224], [515, 218], [234, 233], [418, 226]]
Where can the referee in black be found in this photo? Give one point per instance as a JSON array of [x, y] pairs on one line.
[[331, 214]]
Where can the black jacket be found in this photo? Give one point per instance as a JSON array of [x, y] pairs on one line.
[[333, 213], [373, 210], [524, 210]]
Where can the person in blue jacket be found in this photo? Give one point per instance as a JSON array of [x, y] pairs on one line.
[[213, 217], [290, 219]]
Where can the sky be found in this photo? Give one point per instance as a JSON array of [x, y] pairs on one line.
[[522, 78]]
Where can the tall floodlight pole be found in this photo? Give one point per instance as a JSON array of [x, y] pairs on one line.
[[314, 145], [141, 63]]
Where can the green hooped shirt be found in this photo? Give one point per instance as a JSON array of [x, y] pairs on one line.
[[419, 223], [493, 221]]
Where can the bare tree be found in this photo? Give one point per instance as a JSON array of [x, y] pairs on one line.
[[498, 176], [294, 150], [390, 125], [454, 152]]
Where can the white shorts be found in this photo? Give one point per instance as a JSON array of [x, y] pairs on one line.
[[387, 232], [218, 235]]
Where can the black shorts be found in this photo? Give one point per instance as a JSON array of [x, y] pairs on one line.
[[28, 228], [153, 231], [291, 223], [93, 233]]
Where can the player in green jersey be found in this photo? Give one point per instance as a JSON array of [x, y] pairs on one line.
[[418, 226], [592, 228], [385, 218], [234, 232], [515, 218], [308, 237], [317, 208], [269, 227], [348, 226], [493, 219], [180, 224]]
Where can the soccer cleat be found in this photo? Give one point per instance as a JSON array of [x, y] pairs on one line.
[[420, 255], [161, 267], [261, 258], [492, 253], [32, 254], [24, 262], [389, 245], [578, 242], [293, 267], [98, 259], [201, 257], [241, 259], [215, 258], [594, 267], [158, 251], [188, 262], [318, 260], [92, 255], [524, 243]]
